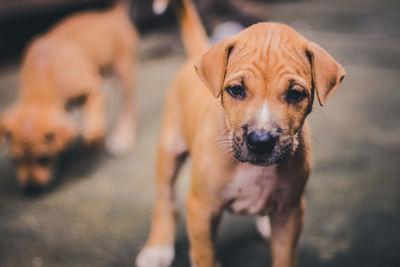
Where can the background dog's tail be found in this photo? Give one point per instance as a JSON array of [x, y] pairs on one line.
[[194, 36]]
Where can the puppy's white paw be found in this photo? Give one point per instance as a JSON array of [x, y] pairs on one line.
[[121, 141], [155, 257], [263, 226]]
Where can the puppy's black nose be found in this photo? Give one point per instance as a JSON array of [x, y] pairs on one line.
[[260, 142]]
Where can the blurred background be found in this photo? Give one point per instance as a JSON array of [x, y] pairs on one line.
[[98, 212]]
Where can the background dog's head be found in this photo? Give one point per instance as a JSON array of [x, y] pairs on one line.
[[266, 76], [34, 137]]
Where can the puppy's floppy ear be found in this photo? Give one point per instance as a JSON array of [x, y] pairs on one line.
[[211, 67], [327, 73]]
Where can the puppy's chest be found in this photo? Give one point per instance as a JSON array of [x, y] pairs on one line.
[[255, 191]]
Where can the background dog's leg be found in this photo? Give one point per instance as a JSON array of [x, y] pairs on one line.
[[285, 232], [263, 226], [94, 118], [202, 224], [123, 137], [159, 248]]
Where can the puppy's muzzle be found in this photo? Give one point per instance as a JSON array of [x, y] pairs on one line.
[[260, 142]]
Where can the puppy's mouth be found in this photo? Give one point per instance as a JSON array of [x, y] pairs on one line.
[[264, 148]]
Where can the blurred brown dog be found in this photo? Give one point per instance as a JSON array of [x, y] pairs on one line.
[[61, 67], [247, 136]]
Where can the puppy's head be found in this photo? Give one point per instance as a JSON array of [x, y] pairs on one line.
[[266, 77], [35, 136]]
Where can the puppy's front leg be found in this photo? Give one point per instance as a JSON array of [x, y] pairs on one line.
[[94, 118], [159, 249], [285, 232], [202, 224], [123, 137]]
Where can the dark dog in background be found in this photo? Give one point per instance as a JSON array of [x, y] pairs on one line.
[[60, 67]]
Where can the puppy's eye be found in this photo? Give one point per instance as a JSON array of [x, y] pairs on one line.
[[295, 96], [44, 160], [236, 91], [8, 134], [49, 136]]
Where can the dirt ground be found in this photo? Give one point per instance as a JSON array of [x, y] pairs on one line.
[[98, 213]]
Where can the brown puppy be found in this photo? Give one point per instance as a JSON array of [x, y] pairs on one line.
[[64, 65], [244, 124]]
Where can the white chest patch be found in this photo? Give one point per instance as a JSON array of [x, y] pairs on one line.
[[252, 191]]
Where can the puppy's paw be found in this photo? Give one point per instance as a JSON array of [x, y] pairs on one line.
[[155, 257], [263, 226], [121, 141]]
